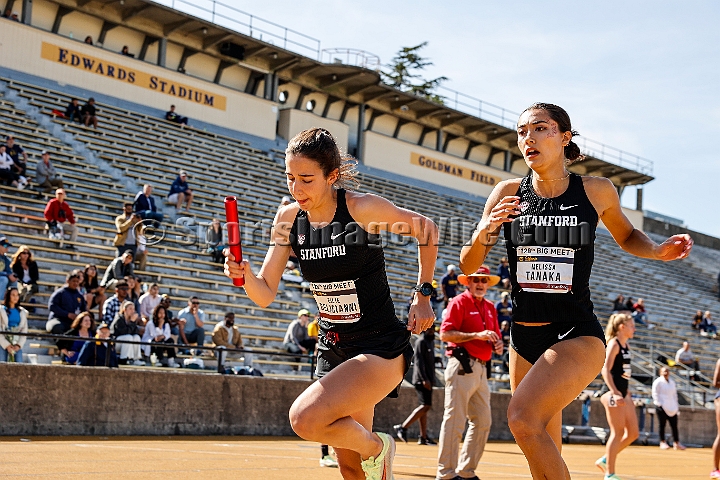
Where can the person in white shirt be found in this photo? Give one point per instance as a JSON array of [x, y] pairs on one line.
[[664, 394], [157, 331], [148, 302], [7, 173]]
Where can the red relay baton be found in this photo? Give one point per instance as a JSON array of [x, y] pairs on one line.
[[233, 229]]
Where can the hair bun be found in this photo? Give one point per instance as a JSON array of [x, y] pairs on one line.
[[572, 151]]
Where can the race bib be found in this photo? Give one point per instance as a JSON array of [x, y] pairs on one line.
[[545, 269], [337, 301]]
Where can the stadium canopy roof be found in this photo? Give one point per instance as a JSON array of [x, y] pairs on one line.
[[341, 82]]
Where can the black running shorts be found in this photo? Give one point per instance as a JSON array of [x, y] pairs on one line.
[[532, 342]]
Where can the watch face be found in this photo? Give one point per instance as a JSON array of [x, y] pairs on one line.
[[426, 289]]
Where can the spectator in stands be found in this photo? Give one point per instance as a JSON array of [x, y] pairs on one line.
[[664, 395], [73, 112], [94, 354], [125, 327], [171, 116], [214, 241], [82, 327], [629, 304], [58, 213], [89, 40], [449, 284], [8, 173], [191, 321], [504, 307], [19, 157], [423, 379], [112, 305], [158, 332], [296, 338], [619, 304], [141, 253], [89, 113], [95, 293], [8, 13], [136, 290], [180, 192], [313, 328], [26, 271], [126, 51], [144, 205], [149, 301], [46, 176], [125, 239], [292, 273], [65, 305], [165, 301], [7, 277], [503, 271], [226, 335], [117, 270], [697, 320], [13, 317], [639, 314], [707, 327], [685, 356], [437, 301]]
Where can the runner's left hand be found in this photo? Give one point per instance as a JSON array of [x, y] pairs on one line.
[[421, 316], [674, 248]]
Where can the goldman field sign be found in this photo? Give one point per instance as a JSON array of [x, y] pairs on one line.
[[441, 166]]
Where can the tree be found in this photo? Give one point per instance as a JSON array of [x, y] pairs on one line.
[[403, 73]]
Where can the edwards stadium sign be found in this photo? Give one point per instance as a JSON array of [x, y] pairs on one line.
[[139, 78]]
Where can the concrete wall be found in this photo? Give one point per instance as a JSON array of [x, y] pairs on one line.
[[32, 51], [61, 400], [415, 161], [293, 121]]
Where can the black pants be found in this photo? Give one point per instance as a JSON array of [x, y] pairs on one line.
[[662, 418], [161, 351]]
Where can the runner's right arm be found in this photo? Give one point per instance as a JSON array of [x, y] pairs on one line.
[[263, 287], [500, 205]]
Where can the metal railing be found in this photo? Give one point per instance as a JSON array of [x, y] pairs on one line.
[[245, 23], [351, 56], [221, 353]]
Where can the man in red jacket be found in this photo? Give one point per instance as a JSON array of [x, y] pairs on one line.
[[58, 212], [470, 328]]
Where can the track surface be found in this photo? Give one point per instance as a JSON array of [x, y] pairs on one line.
[[273, 458]]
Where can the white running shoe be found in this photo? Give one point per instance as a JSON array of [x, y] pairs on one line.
[[380, 468], [139, 363], [328, 461], [601, 463], [172, 363]]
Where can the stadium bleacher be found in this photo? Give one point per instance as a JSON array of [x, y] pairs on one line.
[[139, 148]]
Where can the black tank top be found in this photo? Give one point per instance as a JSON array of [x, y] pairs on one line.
[[621, 370], [550, 246], [345, 266]]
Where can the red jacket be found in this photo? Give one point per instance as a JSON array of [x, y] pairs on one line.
[[466, 314], [59, 212]]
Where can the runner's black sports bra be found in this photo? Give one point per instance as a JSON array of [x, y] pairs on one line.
[[345, 266], [621, 370], [550, 246]]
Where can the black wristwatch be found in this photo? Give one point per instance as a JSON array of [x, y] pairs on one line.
[[424, 288]]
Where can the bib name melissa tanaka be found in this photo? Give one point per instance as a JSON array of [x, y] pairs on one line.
[[345, 266], [550, 247]]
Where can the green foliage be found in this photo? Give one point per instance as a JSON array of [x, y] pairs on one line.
[[404, 74]]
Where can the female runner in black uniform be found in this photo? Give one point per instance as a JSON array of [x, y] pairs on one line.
[[557, 342], [716, 444], [618, 403], [364, 349]]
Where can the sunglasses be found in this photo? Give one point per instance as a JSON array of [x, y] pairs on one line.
[[195, 303], [479, 279]]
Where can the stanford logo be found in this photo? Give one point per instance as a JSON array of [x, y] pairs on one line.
[[301, 238], [524, 206]]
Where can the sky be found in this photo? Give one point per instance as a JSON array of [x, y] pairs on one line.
[[640, 75]]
